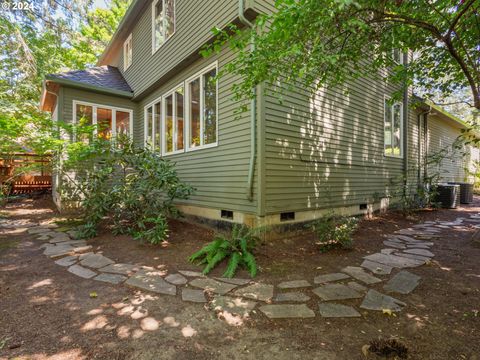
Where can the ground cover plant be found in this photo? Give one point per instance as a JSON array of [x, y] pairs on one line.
[[238, 249]]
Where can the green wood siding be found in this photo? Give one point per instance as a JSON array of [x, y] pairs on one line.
[[220, 173], [194, 22], [441, 136]]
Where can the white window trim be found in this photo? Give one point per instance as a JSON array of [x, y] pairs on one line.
[[126, 65], [114, 110], [163, 117], [154, 50], [402, 134], [199, 74], [186, 115], [401, 57], [145, 122]]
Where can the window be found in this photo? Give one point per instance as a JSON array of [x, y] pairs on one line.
[[186, 117], [202, 109], [153, 125], [106, 121], [127, 53], [397, 56], [173, 132], [163, 22], [393, 129]]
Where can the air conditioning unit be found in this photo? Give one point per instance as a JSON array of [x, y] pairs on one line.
[[448, 195], [466, 192]]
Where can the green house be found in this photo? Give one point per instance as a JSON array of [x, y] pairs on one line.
[[347, 150]]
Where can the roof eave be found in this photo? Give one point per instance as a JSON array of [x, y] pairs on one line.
[[93, 88]]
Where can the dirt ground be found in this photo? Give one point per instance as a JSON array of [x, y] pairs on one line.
[[48, 313]]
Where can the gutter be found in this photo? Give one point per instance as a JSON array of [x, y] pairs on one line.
[[253, 111], [83, 86], [419, 116]]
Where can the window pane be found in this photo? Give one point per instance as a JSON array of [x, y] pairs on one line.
[[158, 24], [194, 92], [397, 56], [169, 18], [149, 129], [84, 118], [397, 130], [388, 128], [169, 124], [180, 121], [122, 123], [210, 114], [158, 125], [104, 123]]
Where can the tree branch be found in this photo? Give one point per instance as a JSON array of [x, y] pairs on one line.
[[458, 17]]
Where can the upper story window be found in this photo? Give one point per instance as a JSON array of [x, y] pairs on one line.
[[127, 53], [163, 22], [397, 56], [393, 129], [108, 122]]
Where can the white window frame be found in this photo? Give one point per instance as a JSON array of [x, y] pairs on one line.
[[114, 110], [127, 45], [200, 74], [164, 116], [145, 123], [155, 49], [186, 115], [402, 134]]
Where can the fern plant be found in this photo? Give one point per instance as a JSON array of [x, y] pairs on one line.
[[238, 249]]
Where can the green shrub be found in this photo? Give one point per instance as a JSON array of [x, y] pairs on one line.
[[238, 249], [335, 232], [131, 186]]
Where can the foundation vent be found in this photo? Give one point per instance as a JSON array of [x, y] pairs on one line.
[[226, 214], [287, 216], [363, 206]]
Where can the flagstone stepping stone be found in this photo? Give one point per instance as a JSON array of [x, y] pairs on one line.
[[235, 281], [423, 259], [377, 301], [110, 278], [287, 311], [81, 271], [193, 295], [191, 273], [419, 246], [213, 285], [58, 238], [57, 251], [82, 249], [393, 244], [232, 305], [176, 279], [377, 268], [262, 292], [74, 243], [151, 280], [292, 297], [388, 251], [95, 261], [43, 238], [67, 261], [329, 292], [38, 230], [404, 283], [393, 260], [421, 252], [360, 274], [356, 286], [295, 284], [408, 239], [322, 279], [121, 269], [331, 310]]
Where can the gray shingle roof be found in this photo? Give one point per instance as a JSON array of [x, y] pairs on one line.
[[108, 77]]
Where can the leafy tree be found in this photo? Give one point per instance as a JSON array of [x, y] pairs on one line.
[[327, 42]]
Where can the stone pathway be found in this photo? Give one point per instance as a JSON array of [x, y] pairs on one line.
[[337, 295]]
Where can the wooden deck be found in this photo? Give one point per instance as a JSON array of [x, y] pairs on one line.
[[25, 173]]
